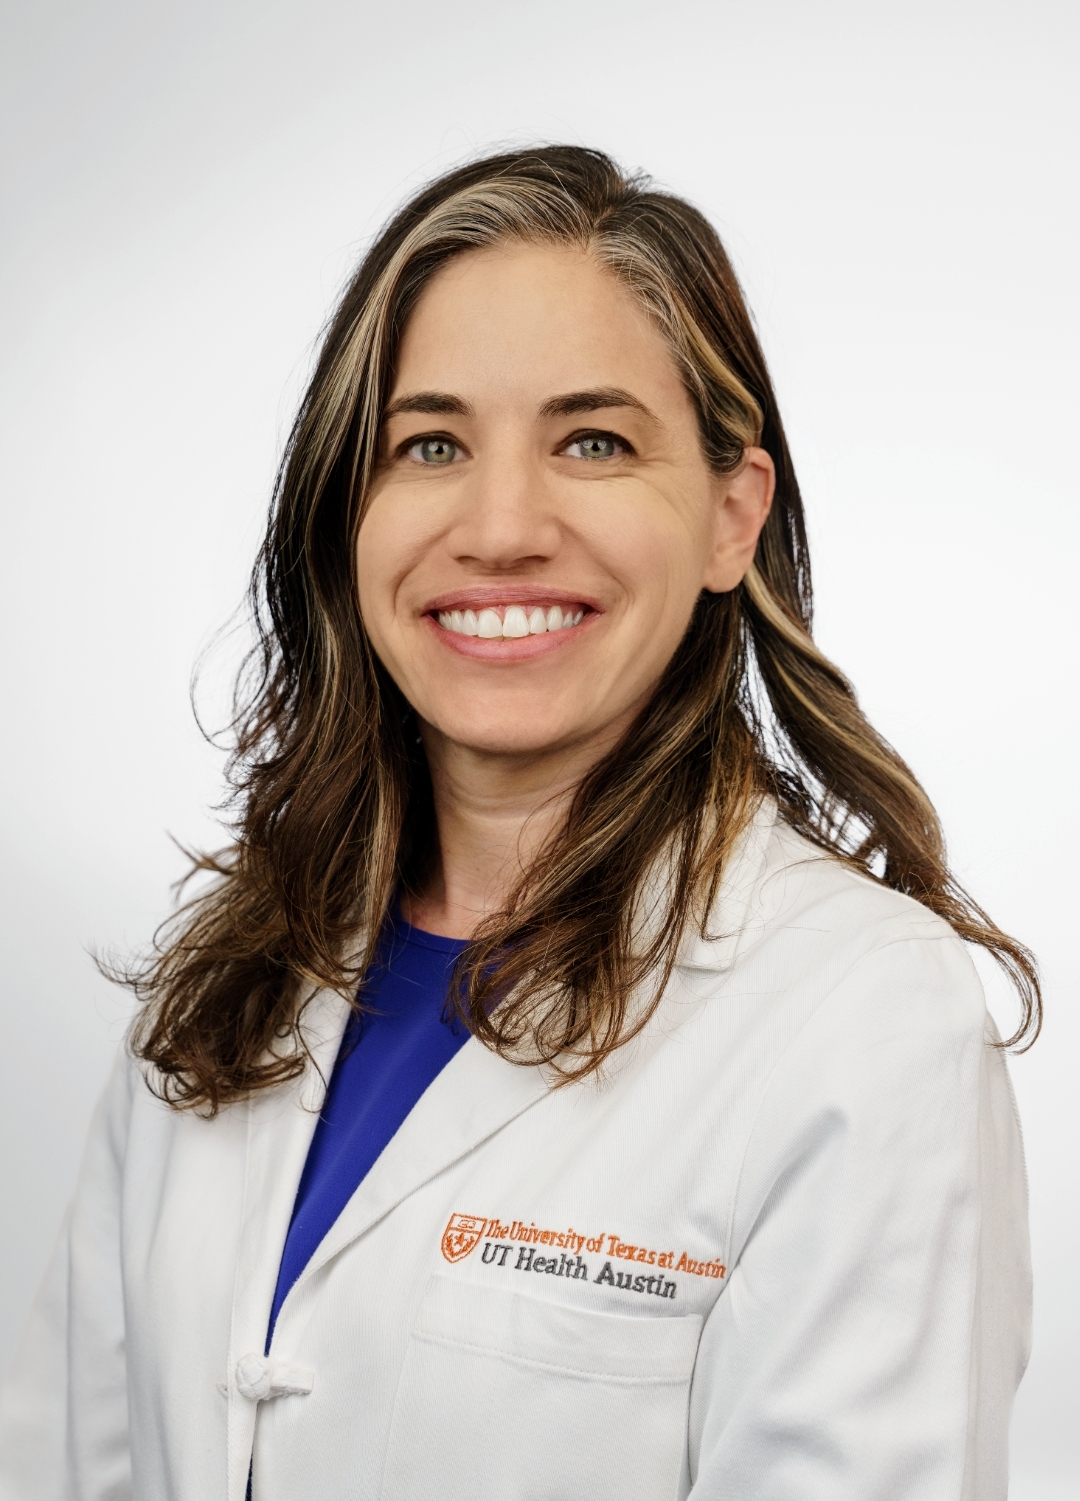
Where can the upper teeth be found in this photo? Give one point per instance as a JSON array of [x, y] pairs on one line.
[[515, 620]]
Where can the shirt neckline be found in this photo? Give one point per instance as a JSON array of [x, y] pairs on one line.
[[422, 938]]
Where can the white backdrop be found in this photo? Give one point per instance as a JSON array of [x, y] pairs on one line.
[[186, 185]]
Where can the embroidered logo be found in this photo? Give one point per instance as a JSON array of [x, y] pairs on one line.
[[462, 1235]]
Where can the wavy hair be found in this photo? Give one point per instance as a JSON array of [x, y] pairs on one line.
[[331, 797]]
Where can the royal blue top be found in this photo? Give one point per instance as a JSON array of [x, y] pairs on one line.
[[388, 1057]]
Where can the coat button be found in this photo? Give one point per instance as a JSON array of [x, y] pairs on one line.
[[253, 1377]]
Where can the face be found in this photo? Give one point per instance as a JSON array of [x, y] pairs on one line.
[[543, 518]]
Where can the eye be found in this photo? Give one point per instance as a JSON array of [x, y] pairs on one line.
[[595, 446], [434, 451]]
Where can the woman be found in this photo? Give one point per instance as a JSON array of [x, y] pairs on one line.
[[574, 1081]]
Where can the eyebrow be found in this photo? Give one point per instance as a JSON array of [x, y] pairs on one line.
[[598, 400], [434, 403], [442, 404]]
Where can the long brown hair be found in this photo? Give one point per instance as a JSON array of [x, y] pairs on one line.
[[332, 800]]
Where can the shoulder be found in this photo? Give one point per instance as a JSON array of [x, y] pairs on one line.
[[867, 1013], [806, 889], [808, 933]]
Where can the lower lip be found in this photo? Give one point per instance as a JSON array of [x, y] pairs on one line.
[[508, 648]]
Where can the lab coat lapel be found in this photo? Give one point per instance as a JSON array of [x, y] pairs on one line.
[[737, 913], [478, 1092], [281, 1123], [474, 1096]]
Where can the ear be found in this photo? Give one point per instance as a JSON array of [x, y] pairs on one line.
[[741, 505]]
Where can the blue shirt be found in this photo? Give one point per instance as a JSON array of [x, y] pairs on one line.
[[388, 1057]]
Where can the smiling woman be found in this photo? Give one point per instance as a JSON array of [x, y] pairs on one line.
[[570, 889], [514, 517], [521, 510]]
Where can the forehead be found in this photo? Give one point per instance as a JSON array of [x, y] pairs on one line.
[[532, 319]]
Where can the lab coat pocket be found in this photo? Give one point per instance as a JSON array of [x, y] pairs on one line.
[[523, 1399]]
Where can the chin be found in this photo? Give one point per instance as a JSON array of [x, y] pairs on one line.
[[513, 732], [500, 742]]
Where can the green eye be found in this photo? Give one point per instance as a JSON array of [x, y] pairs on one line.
[[434, 451], [595, 446]]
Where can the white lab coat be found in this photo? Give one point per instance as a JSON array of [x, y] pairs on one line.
[[798, 1200]]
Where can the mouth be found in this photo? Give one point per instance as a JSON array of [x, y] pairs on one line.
[[511, 625], [511, 622]]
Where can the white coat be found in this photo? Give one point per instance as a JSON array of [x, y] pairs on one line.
[[777, 1254]]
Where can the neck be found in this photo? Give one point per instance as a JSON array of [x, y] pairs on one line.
[[494, 813]]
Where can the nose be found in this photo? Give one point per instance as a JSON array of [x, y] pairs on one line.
[[506, 518]]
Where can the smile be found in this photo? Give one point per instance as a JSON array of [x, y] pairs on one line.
[[510, 622]]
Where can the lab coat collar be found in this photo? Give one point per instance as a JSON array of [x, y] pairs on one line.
[[478, 1092], [474, 1096], [737, 912], [470, 1100]]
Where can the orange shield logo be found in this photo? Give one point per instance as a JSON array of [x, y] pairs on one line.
[[461, 1235]]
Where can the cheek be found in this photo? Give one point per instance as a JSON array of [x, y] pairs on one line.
[[386, 549], [654, 547], [368, 581]]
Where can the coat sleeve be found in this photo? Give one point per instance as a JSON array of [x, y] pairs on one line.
[[63, 1405], [876, 1320]]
